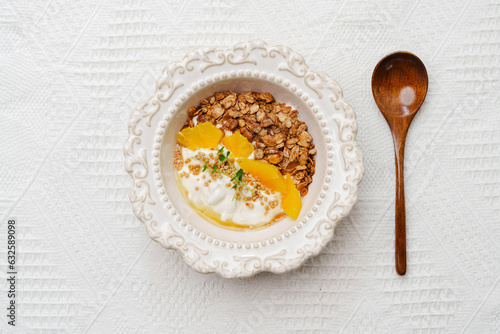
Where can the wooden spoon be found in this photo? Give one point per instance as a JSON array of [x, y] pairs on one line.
[[399, 86]]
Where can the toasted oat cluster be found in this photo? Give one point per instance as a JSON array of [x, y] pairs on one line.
[[274, 129]]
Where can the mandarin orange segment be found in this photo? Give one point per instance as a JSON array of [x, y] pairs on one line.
[[291, 203], [238, 144], [267, 174], [203, 135]]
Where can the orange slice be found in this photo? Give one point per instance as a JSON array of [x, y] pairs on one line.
[[267, 174], [291, 203], [238, 144], [203, 135]]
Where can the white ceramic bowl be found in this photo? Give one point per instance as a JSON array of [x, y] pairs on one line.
[[251, 66]]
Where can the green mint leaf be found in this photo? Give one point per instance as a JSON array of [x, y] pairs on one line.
[[220, 149], [205, 167], [228, 153], [222, 157], [239, 174]]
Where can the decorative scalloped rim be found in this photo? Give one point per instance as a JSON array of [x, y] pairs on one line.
[[196, 247]]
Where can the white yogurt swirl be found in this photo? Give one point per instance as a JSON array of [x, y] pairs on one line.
[[218, 196]]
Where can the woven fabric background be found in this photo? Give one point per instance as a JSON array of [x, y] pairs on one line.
[[72, 72]]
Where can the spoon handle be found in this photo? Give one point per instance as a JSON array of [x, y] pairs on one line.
[[399, 146]]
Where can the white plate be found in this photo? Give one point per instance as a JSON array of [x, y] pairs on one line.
[[251, 66]]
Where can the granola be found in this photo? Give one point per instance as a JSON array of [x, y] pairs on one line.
[[276, 132]]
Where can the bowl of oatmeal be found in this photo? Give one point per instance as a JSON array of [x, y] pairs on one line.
[[243, 160]]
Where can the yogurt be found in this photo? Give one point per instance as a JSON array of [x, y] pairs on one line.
[[212, 194]]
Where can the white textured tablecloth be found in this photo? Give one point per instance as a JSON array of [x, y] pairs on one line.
[[70, 74]]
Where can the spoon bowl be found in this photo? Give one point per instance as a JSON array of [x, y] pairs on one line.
[[399, 86]]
